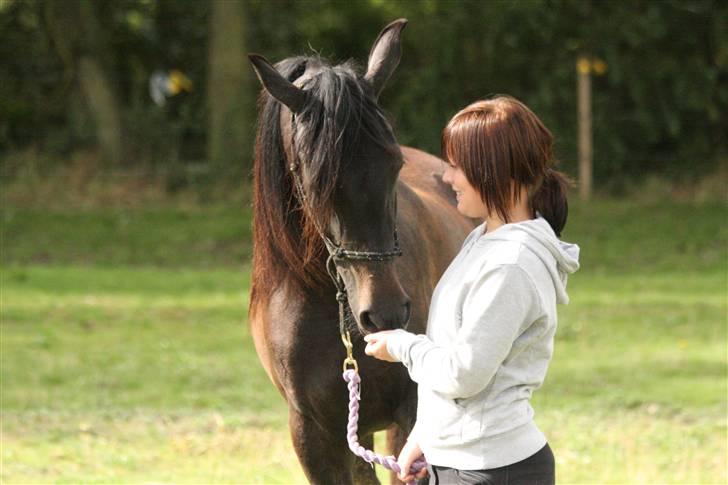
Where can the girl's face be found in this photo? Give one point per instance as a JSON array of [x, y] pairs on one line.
[[469, 202]]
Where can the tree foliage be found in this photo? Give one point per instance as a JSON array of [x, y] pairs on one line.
[[660, 107]]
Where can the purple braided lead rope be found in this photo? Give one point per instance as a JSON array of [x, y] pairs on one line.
[[351, 376]]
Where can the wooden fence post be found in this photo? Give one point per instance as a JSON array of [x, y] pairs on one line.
[[583, 69]]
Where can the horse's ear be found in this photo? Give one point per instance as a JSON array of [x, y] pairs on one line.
[[384, 56], [278, 86]]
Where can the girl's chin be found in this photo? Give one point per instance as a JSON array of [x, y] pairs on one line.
[[463, 210], [468, 212]]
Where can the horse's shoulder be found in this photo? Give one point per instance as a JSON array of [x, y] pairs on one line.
[[421, 159], [422, 172]]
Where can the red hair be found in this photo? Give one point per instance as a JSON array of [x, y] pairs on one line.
[[502, 147]]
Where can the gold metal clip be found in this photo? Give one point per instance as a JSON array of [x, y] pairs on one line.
[[350, 360]]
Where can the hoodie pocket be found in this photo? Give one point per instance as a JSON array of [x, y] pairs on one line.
[[443, 415], [471, 422]]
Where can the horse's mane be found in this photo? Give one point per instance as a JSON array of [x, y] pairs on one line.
[[338, 113]]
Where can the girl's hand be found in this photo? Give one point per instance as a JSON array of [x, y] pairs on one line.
[[409, 454], [377, 346]]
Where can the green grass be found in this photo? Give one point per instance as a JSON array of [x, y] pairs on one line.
[[161, 236], [126, 355], [622, 236], [615, 236], [144, 375]]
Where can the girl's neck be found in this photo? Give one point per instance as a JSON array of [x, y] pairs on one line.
[[518, 212]]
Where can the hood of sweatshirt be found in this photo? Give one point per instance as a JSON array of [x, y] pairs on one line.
[[537, 236]]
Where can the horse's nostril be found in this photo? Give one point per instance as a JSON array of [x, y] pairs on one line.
[[374, 322], [407, 313], [367, 323]]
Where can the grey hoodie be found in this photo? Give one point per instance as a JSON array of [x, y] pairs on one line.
[[489, 341]]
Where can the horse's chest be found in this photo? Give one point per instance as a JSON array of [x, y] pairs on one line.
[[302, 345]]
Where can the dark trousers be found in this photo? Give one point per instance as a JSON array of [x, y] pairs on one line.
[[537, 469]]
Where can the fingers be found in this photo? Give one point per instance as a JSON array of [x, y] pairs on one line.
[[376, 336], [377, 347], [371, 348], [418, 476], [405, 463], [404, 473], [371, 345], [372, 338], [410, 452]]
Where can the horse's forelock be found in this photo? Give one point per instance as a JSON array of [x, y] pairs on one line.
[[340, 110]]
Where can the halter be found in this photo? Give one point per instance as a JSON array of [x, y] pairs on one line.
[[337, 252]]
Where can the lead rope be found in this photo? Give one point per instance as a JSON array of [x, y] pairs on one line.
[[353, 380], [351, 375]]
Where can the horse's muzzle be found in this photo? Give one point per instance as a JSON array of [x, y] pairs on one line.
[[386, 317]]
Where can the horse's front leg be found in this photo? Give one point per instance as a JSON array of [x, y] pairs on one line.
[[396, 438], [325, 456]]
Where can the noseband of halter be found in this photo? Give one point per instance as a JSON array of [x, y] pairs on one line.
[[337, 253]]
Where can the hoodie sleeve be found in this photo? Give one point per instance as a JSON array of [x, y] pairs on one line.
[[414, 434], [496, 308]]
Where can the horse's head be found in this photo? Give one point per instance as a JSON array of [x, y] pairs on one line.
[[339, 146]]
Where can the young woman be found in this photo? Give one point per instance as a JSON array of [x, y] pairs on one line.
[[492, 316]]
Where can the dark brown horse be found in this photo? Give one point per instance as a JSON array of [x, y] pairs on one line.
[[358, 187]]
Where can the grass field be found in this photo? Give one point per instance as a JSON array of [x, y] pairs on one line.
[[126, 355]]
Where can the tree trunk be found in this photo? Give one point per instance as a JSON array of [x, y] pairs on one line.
[[585, 127], [80, 42], [101, 101], [230, 106]]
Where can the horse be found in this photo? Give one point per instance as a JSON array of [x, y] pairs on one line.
[[328, 171]]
